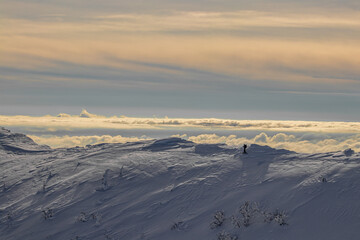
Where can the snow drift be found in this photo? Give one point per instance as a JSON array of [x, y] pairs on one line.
[[175, 189]]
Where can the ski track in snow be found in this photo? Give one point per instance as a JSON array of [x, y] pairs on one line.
[[171, 188]]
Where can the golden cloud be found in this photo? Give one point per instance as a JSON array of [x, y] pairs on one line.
[[166, 44], [81, 141], [91, 121], [279, 141], [284, 141], [49, 126]]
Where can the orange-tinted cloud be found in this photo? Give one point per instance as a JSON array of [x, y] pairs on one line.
[[215, 42]]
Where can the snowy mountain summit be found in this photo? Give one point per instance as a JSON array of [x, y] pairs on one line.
[[173, 189], [17, 142]]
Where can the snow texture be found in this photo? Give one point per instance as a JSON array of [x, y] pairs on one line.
[[175, 189]]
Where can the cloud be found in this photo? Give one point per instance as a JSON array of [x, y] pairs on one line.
[[88, 120], [225, 43], [81, 141], [280, 141], [63, 115], [299, 136], [284, 141], [86, 114]]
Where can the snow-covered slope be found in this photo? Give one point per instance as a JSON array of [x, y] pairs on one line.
[[175, 189], [19, 143]]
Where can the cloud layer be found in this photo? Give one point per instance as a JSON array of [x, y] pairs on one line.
[[247, 44], [280, 141], [285, 141], [87, 120], [81, 141], [299, 136]]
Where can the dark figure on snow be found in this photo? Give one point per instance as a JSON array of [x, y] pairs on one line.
[[244, 147]]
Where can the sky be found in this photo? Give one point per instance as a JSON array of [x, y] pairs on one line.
[[277, 60], [282, 73]]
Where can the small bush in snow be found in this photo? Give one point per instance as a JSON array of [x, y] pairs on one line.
[[121, 173], [248, 211], [279, 217], [48, 213], [108, 237], [219, 218], [237, 222], [276, 216], [178, 226], [268, 217], [6, 219], [4, 188], [348, 152], [44, 187], [84, 217], [105, 181], [77, 165], [226, 236], [251, 213], [9, 219]]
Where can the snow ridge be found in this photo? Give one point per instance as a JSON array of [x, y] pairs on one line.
[[19, 143], [175, 189]]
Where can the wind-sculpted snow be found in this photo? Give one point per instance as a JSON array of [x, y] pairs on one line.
[[166, 144], [173, 189], [19, 143]]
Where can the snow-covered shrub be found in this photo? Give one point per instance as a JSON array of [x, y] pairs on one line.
[[77, 165], [47, 213], [6, 219], [105, 180], [121, 173], [9, 219], [279, 217], [178, 226], [248, 211], [44, 187], [84, 217], [226, 236], [236, 221], [275, 216], [50, 176], [348, 152], [108, 237], [268, 217], [219, 218]]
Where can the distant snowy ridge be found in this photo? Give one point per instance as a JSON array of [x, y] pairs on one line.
[[18, 142], [173, 189]]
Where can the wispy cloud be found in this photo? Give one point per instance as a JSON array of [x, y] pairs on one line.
[[299, 136], [168, 43], [280, 141], [81, 141], [285, 141], [90, 121]]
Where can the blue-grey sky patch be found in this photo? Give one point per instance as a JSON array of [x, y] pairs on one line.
[[280, 59]]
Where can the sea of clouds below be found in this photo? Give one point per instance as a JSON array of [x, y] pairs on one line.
[[279, 140], [65, 130]]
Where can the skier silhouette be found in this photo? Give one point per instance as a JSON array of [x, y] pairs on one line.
[[244, 147]]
